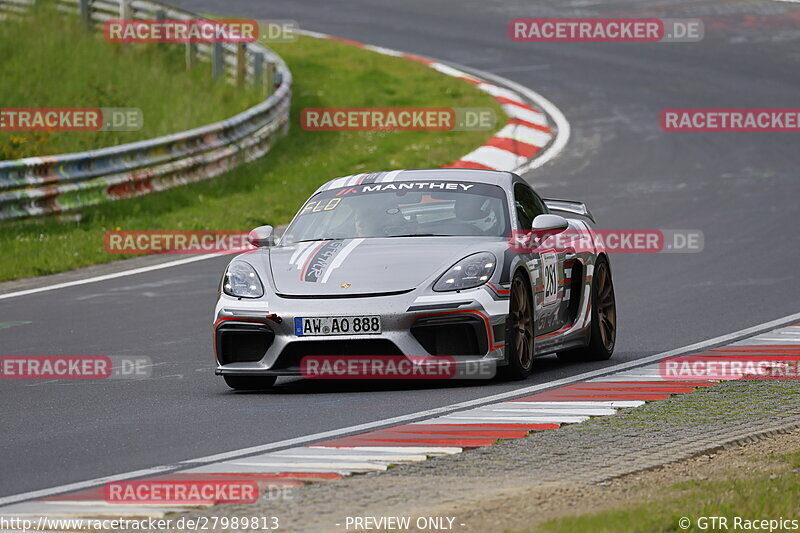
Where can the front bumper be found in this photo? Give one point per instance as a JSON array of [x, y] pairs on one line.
[[257, 337]]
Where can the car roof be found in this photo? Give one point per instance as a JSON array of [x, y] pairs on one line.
[[491, 177]]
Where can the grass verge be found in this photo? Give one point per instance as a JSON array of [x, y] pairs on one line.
[[326, 73], [49, 60], [766, 496]]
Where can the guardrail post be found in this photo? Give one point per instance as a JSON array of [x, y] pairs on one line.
[[217, 61], [258, 72], [86, 15], [191, 55], [125, 12], [270, 78], [160, 14], [241, 64]]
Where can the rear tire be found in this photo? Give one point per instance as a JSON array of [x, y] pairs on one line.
[[250, 382], [604, 318], [519, 332]]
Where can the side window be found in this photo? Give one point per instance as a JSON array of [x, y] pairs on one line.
[[528, 205]]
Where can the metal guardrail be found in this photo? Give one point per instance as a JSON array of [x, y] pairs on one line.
[[43, 185]]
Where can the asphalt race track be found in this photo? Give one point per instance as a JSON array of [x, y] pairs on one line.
[[740, 189]]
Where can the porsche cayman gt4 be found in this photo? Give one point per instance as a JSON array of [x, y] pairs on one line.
[[446, 262]]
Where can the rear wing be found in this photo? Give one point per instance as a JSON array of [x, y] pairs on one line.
[[569, 206]]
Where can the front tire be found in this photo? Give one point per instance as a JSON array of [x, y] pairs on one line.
[[250, 382], [604, 318], [519, 331]]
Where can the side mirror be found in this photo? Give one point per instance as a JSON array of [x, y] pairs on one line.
[[546, 225], [262, 237]]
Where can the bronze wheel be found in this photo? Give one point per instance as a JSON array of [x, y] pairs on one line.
[[519, 331], [606, 306], [603, 329]]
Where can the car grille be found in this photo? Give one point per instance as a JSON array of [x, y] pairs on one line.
[[242, 342], [294, 351], [463, 335]]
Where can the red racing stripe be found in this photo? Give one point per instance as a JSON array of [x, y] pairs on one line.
[[513, 146], [504, 100], [521, 122], [744, 357], [346, 41], [387, 434], [483, 427], [625, 388], [493, 433], [511, 425], [413, 57], [666, 383], [575, 396]]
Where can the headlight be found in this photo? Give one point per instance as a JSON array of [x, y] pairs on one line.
[[472, 271], [241, 280]]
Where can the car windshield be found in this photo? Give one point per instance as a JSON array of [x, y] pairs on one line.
[[402, 209]]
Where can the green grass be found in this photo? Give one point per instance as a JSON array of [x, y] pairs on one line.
[[269, 190], [764, 496], [48, 60]]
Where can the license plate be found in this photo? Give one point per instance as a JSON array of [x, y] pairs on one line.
[[337, 325]]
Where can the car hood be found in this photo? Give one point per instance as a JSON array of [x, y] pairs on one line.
[[350, 267]]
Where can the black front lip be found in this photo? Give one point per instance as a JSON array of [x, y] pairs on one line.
[[286, 372], [296, 372], [330, 296]]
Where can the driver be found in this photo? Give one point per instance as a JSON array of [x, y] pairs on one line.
[[369, 222], [475, 210]]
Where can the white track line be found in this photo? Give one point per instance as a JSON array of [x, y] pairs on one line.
[[397, 420], [506, 408], [113, 275], [355, 455], [427, 450], [528, 115], [291, 464]]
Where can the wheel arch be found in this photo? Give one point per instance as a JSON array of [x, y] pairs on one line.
[[526, 274]]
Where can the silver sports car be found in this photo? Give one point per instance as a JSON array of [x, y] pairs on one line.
[[462, 263]]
